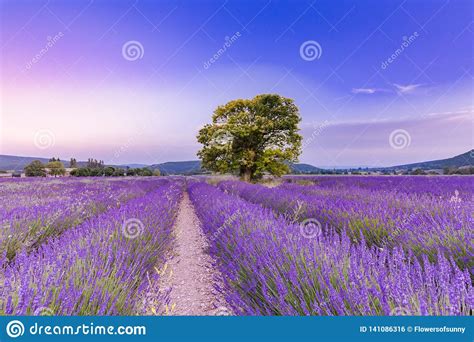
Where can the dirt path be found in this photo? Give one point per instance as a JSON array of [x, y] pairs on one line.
[[190, 273]]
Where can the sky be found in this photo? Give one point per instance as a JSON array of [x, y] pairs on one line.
[[377, 83]]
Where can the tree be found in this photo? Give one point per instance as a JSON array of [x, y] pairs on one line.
[[94, 163], [81, 172], [73, 163], [132, 172], [252, 137], [119, 172], [56, 168], [109, 171], [418, 172], [145, 172], [35, 169], [156, 172]]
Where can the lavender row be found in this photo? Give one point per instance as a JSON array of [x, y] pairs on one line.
[[33, 192], [272, 267], [420, 224], [57, 206], [104, 266], [443, 187]]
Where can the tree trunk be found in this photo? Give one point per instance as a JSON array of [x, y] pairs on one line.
[[246, 174]]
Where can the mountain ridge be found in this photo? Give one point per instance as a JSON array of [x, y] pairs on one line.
[[463, 159]]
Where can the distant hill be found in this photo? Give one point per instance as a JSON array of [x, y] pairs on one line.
[[304, 168], [17, 163], [194, 167], [465, 159], [133, 166], [179, 168]]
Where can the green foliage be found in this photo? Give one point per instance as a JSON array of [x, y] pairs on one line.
[[56, 168], [35, 169], [418, 172], [96, 172], [109, 171], [81, 172], [119, 172], [98, 169], [466, 170], [146, 172], [93, 172], [139, 172], [252, 137]]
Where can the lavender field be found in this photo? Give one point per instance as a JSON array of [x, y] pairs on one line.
[[323, 245], [85, 247]]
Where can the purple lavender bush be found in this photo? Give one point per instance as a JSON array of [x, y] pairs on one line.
[[35, 210], [270, 266], [103, 266], [420, 223]]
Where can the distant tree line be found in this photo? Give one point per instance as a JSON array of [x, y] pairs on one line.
[[110, 171], [54, 167], [466, 170], [93, 168]]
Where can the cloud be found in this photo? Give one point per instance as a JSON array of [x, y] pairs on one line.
[[399, 88], [370, 91], [364, 90], [406, 89]]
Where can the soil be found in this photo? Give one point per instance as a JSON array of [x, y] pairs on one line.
[[190, 274]]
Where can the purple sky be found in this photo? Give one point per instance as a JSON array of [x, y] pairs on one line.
[[391, 83]]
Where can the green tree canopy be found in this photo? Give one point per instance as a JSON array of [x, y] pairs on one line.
[[109, 171], [252, 137], [145, 172], [56, 168], [35, 169]]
